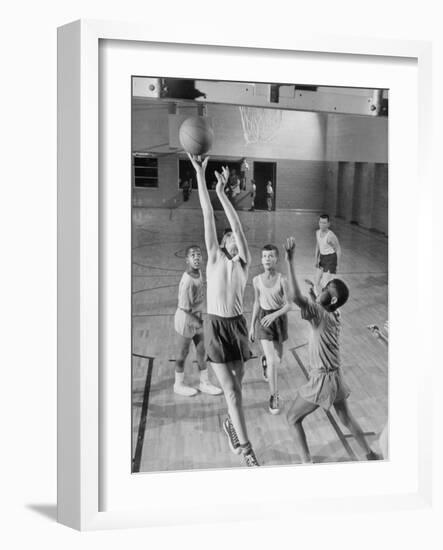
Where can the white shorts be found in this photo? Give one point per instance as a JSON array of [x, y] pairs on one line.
[[183, 326]]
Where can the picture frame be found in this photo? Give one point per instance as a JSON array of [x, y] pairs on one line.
[[83, 399]]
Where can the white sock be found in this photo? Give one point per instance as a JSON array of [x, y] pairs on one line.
[[179, 378], [204, 377]]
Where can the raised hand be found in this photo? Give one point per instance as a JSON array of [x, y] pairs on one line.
[[198, 163], [289, 247], [222, 179]]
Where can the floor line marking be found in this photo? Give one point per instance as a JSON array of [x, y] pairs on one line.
[[143, 415], [331, 419]]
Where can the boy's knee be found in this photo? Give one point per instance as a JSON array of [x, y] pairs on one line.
[[232, 395]]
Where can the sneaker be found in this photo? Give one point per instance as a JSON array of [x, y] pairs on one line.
[[264, 365], [210, 389], [250, 459], [187, 391], [232, 436], [274, 404]]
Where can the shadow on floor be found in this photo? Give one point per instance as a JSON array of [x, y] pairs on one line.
[[46, 510]]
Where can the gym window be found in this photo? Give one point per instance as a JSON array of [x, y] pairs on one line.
[[144, 170]]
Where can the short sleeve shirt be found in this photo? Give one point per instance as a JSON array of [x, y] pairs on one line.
[[324, 353], [190, 293]]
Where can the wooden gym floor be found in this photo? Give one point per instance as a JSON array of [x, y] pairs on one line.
[[172, 432]]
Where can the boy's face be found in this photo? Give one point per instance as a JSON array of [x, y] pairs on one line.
[[194, 258], [323, 224], [269, 259], [230, 244], [328, 296]]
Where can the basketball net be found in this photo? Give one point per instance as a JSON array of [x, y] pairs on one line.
[[259, 124]]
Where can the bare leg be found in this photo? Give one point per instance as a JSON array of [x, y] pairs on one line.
[[271, 360], [206, 385], [182, 353], [346, 418], [200, 351], [179, 385], [230, 377], [299, 409]]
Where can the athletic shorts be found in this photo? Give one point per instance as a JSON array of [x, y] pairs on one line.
[[325, 388], [277, 331], [328, 262], [226, 339], [183, 325]]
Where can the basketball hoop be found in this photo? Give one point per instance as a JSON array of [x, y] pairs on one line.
[[259, 124]]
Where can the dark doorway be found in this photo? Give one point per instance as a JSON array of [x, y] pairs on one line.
[[264, 172], [187, 173]]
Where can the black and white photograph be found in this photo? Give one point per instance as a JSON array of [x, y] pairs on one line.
[[259, 274]]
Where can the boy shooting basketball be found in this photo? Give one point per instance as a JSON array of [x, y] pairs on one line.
[[326, 386], [269, 320], [189, 325], [226, 334], [327, 253]]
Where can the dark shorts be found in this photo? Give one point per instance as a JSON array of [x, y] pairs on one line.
[[277, 331], [328, 262], [226, 339]]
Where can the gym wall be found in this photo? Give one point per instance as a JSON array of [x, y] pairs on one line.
[[336, 163]]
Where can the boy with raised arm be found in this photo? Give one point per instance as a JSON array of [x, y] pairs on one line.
[[226, 334], [326, 386]]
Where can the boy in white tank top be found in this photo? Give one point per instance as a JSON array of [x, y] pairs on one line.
[[269, 320], [188, 324], [226, 333], [327, 254]]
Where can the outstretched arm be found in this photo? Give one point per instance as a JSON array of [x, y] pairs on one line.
[[333, 241], [231, 214], [255, 310], [205, 203], [317, 254], [294, 288]]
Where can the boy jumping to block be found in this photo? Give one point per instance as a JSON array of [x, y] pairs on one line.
[[269, 319], [188, 325], [226, 333], [326, 386]]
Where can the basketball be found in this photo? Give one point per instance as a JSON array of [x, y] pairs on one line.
[[196, 135]]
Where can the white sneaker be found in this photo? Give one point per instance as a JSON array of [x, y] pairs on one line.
[[187, 391], [210, 389]]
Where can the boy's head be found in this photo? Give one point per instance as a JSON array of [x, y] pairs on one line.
[[334, 295], [193, 255], [229, 242], [323, 222], [269, 256]]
